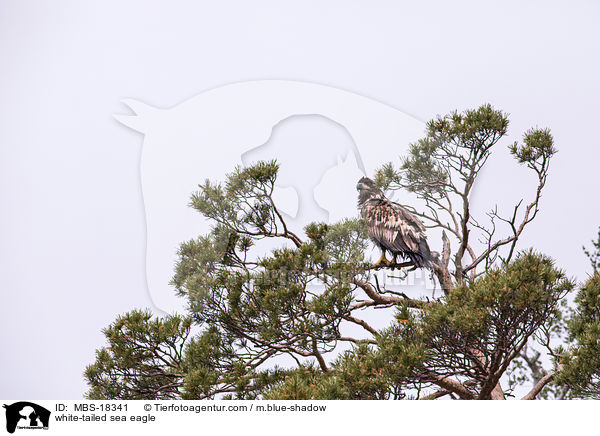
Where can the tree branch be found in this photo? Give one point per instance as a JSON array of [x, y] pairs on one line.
[[436, 395], [539, 386], [453, 386]]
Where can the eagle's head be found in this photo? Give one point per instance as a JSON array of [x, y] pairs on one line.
[[365, 183], [367, 189]]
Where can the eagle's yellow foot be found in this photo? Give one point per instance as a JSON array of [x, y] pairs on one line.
[[382, 262]]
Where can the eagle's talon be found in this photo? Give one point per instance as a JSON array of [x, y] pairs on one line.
[[382, 263]]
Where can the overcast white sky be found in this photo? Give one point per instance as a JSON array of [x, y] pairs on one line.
[[72, 228]]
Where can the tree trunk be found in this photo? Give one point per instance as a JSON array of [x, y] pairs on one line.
[[498, 393]]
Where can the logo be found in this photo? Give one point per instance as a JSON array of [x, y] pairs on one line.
[[26, 415], [324, 139]]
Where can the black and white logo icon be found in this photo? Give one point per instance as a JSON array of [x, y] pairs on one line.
[[26, 415]]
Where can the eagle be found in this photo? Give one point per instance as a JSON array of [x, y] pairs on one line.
[[393, 228]]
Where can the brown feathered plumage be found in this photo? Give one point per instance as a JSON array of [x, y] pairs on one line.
[[392, 227]]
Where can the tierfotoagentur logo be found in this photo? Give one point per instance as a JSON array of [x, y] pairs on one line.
[[324, 139], [26, 415]]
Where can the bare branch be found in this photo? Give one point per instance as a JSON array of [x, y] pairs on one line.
[[361, 323], [436, 395], [539, 386], [453, 386]]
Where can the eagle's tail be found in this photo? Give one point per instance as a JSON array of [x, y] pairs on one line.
[[424, 258]]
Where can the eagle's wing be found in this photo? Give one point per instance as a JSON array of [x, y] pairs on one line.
[[393, 226]]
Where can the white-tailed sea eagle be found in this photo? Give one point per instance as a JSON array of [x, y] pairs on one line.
[[392, 227]]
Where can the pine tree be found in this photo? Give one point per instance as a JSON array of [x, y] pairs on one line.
[[594, 253], [499, 327], [580, 367]]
